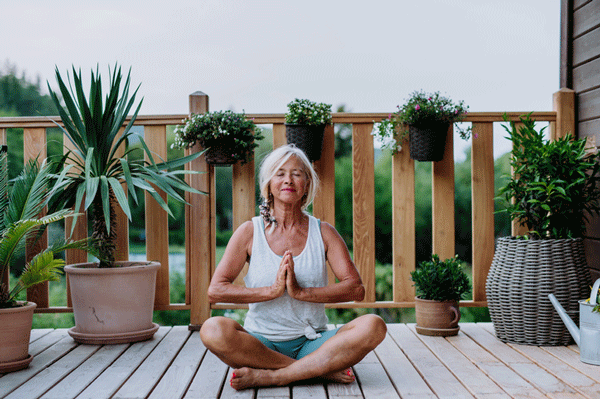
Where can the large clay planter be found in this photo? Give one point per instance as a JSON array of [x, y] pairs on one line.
[[438, 318], [112, 305], [15, 330]]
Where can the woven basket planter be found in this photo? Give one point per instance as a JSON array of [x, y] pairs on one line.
[[219, 156], [309, 138], [522, 274], [428, 142]]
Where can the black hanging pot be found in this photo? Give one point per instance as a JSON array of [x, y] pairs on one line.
[[428, 141], [309, 138]]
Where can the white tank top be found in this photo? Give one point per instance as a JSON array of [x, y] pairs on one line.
[[285, 318]]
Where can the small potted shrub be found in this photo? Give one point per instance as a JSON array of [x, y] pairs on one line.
[[228, 137], [24, 199], [554, 187], [425, 119], [439, 286], [305, 124]]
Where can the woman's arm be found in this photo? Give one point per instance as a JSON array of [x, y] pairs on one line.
[[236, 254], [349, 287]]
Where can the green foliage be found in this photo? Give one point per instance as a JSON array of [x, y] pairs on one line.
[[224, 129], [20, 96], [97, 171], [306, 112], [555, 184], [441, 280], [20, 204], [421, 110]]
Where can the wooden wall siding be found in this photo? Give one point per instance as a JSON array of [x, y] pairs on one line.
[[586, 18], [200, 225]]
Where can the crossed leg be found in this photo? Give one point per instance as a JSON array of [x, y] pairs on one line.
[[256, 365]]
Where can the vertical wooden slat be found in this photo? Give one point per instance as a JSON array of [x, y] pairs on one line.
[[443, 201], [482, 187], [242, 199], [34, 147], [4, 279], [199, 237], [403, 225], [363, 196], [157, 222], [122, 221], [566, 120], [324, 203], [279, 138]]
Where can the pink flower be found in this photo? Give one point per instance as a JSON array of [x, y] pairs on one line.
[[429, 98], [475, 135], [417, 107]]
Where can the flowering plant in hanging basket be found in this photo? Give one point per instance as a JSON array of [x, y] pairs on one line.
[[305, 124], [423, 113], [228, 137]]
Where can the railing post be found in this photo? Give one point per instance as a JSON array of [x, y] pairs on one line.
[[199, 227], [443, 201], [564, 105]]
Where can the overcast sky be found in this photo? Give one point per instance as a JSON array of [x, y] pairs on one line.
[[259, 55]]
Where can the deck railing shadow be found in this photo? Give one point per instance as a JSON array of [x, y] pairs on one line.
[[200, 213]]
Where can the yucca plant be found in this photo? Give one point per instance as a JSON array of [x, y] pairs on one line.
[[21, 201], [97, 171]]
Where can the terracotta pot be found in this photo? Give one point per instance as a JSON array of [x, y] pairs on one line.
[[15, 330], [112, 305], [438, 318]]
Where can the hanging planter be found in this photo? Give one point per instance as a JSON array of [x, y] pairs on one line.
[[219, 156], [309, 138], [305, 124], [428, 141]]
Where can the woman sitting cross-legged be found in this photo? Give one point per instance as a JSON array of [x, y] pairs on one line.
[[285, 336]]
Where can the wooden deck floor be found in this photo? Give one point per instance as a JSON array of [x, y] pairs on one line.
[[174, 364]]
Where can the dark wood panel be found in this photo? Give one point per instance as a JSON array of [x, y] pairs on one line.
[[586, 18], [579, 3], [587, 76], [586, 47], [590, 128], [589, 105]]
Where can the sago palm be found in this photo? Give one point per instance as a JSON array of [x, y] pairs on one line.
[[96, 170], [21, 201]]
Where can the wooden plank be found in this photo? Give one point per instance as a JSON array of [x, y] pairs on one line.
[[539, 378], [441, 381], [199, 238], [589, 105], [563, 102], [373, 381], [442, 201], [157, 219], [211, 376], [122, 221], [274, 393], [243, 201], [571, 357], [145, 378], [176, 380], [482, 202], [74, 383], [46, 341], [475, 380], [117, 373], [586, 47], [561, 370], [586, 18], [279, 138], [403, 225], [309, 391], [38, 333], [585, 76], [363, 205]]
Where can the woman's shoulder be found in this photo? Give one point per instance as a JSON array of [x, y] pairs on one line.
[[243, 234]]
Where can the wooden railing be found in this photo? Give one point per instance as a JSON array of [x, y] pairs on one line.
[[200, 214]]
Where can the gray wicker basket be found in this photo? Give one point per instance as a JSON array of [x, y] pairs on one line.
[[522, 274]]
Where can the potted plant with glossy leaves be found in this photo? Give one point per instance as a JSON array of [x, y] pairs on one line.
[[554, 187], [424, 119], [112, 301], [228, 137], [305, 124], [439, 285], [21, 202]]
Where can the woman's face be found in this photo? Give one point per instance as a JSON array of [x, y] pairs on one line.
[[290, 182]]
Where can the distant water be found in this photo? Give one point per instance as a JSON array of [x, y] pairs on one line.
[[176, 261]]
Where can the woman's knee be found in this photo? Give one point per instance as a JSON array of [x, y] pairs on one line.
[[217, 331], [375, 329]]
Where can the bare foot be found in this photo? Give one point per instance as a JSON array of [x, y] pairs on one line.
[[249, 378], [342, 377]]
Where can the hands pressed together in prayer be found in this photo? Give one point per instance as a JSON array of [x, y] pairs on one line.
[[286, 278]]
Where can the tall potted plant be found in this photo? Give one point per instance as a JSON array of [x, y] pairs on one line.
[[305, 124], [21, 201], [424, 118], [554, 187], [228, 137], [439, 286], [112, 301]]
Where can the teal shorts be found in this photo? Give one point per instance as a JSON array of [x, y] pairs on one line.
[[299, 347]]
